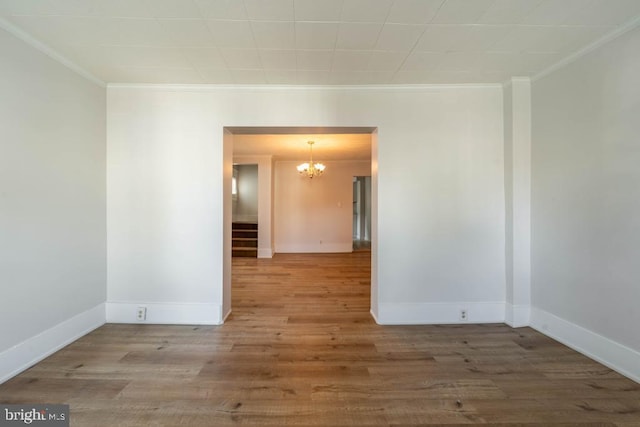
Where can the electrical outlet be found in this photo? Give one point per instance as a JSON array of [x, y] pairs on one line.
[[141, 314], [463, 315]]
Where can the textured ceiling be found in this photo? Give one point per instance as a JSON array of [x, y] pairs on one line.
[[316, 41]]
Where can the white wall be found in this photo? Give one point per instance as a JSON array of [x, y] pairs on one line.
[[52, 205], [585, 204], [440, 199], [441, 188], [315, 215]]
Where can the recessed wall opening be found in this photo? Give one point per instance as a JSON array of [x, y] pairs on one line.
[[244, 217], [296, 213], [362, 213]]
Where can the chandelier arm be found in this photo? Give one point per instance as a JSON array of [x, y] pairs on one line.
[[311, 169]]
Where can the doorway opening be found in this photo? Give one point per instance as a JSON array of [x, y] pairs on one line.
[[362, 213], [245, 224], [297, 214]]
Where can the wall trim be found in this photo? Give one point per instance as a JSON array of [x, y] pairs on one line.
[[375, 318], [619, 31], [508, 83], [315, 248], [517, 316], [265, 253], [439, 313], [215, 87], [618, 357], [165, 313], [31, 351], [50, 52]]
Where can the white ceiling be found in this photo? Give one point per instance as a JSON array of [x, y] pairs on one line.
[[316, 41]]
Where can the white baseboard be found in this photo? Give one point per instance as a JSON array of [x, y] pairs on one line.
[[616, 356], [517, 316], [439, 313], [31, 351], [265, 253], [375, 318], [165, 313], [315, 248]]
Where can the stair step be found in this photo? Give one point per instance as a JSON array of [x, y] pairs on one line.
[[244, 226], [244, 252], [245, 243], [247, 234], [244, 237]]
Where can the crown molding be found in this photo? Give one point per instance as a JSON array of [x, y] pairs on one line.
[[623, 29], [51, 53], [216, 87], [509, 82]]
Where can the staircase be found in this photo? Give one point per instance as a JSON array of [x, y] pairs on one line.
[[244, 239]]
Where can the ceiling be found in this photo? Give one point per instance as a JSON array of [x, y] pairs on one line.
[[315, 42], [327, 146]]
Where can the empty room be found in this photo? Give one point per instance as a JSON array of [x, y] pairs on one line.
[[305, 212]]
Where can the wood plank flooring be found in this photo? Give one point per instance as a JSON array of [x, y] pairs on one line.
[[301, 349]]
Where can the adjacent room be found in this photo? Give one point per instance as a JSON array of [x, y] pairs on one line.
[[345, 212]]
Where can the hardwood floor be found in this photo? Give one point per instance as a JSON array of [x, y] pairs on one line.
[[301, 349]]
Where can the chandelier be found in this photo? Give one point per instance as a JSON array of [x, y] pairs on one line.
[[311, 169]]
